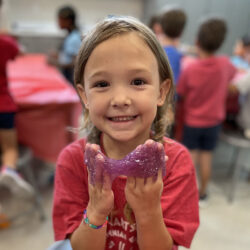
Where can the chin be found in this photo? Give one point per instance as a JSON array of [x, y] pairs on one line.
[[127, 137]]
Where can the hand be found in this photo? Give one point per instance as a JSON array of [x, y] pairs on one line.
[[101, 196], [144, 194]]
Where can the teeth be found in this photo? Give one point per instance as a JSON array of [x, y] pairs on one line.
[[121, 119]]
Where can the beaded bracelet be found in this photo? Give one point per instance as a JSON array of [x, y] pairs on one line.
[[86, 220]]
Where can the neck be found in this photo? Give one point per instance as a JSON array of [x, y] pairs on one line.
[[167, 41], [203, 54], [118, 150], [72, 27]]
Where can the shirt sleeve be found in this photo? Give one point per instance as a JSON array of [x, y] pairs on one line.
[[70, 193], [180, 198]]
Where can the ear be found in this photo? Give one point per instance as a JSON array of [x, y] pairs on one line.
[[82, 94], [164, 90]]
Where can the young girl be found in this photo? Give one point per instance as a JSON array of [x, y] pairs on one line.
[[125, 82]]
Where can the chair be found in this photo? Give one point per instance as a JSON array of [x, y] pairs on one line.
[[239, 143]]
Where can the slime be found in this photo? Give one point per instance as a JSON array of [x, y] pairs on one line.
[[143, 162]]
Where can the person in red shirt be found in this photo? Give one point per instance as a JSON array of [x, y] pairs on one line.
[[203, 87], [8, 139], [125, 82]]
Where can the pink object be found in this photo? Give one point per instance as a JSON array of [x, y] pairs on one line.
[[47, 105], [144, 162]]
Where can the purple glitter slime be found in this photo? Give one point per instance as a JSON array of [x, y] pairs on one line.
[[144, 162]]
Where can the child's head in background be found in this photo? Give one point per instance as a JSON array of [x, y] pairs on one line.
[[173, 22], [67, 18], [125, 81], [211, 34], [155, 25], [242, 48]]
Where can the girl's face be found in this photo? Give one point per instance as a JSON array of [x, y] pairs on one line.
[[122, 88]]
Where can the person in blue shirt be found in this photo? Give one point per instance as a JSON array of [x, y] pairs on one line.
[[65, 59], [173, 21]]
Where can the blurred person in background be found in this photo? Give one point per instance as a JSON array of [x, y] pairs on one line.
[[241, 58], [155, 25], [173, 21], [241, 83], [64, 59], [203, 87], [9, 176], [236, 100], [242, 87]]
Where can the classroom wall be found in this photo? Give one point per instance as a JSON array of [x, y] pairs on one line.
[[35, 19], [35, 22], [40, 16], [236, 13]]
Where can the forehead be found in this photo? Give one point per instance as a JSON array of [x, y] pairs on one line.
[[127, 47]]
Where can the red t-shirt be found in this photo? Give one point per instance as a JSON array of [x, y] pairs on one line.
[[179, 198], [204, 86], [8, 51]]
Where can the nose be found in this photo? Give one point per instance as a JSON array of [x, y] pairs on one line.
[[120, 98]]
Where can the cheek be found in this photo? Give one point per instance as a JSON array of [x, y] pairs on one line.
[[96, 105]]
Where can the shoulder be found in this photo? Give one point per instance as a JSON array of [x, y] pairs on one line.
[[179, 158], [174, 148], [74, 152], [173, 51], [74, 36], [224, 60]]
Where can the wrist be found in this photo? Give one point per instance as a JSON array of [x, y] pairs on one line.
[[87, 222], [95, 218], [149, 217]]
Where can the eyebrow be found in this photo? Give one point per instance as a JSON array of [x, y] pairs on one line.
[[131, 71]]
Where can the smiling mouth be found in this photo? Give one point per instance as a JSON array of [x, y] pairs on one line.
[[122, 118]]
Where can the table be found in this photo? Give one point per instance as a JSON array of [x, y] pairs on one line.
[[47, 103]]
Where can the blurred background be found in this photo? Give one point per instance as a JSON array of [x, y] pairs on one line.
[[48, 106]]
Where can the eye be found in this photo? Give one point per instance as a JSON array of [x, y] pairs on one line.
[[138, 82], [102, 84]]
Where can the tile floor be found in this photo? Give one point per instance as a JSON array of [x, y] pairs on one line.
[[224, 225]]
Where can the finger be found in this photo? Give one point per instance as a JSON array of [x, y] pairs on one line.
[[99, 161], [150, 180], [107, 183], [90, 181], [95, 147], [149, 141], [139, 182], [159, 146], [159, 175], [130, 182]]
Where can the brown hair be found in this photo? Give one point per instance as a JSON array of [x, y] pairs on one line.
[[211, 34], [104, 30], [154, 20], [173, 22]]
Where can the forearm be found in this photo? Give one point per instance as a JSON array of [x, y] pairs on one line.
[[152, 232], [86, 237]]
